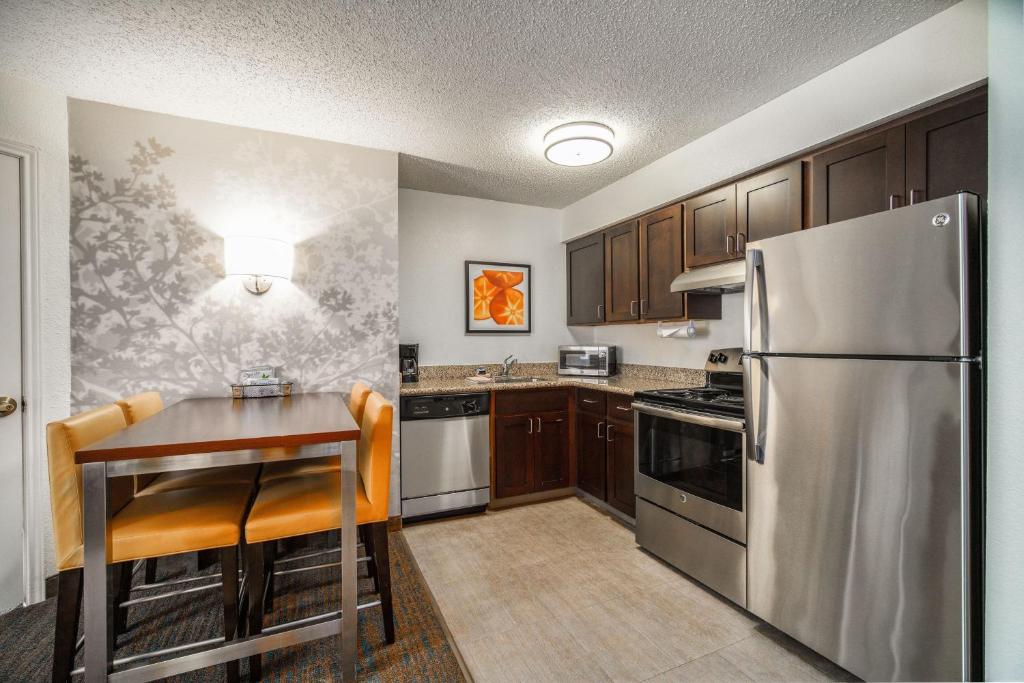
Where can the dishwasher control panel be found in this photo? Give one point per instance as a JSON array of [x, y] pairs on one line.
[[436, 407]]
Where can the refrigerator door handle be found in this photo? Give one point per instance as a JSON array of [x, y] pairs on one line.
[[757, 440], [755, 289]]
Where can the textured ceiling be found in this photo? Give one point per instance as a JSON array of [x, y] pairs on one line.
[[463, 90]]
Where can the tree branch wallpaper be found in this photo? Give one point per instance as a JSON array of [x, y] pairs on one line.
[[153, 196]]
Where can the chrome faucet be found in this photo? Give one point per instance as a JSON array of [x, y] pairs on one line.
[[507, 364]]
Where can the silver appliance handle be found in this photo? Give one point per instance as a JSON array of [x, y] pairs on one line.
[[755, 286], [757, 440], [693, 418]]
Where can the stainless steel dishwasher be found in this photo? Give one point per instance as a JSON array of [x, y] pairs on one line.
[[446, 454]]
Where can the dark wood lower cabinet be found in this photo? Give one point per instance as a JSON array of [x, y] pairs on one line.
[[513, 455], [591, 466], [531, 442], [621, 494], [551, 451]]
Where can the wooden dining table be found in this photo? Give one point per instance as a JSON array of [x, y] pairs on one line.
[[218, 432]]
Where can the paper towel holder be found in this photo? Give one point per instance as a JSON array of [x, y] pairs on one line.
[[677, 331]]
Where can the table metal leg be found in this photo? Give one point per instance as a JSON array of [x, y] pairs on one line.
[[98, 638], [349, 587]]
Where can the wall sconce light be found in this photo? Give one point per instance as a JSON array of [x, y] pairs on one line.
[[258, 259]]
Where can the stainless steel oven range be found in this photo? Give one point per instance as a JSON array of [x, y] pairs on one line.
[[691, 476]]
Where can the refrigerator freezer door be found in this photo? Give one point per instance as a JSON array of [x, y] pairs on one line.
[[856, 522], [895, 283]]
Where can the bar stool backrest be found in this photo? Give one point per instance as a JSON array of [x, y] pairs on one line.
[[141, 406], [136, 409], [63, 438], [357, 401], [374, 457]]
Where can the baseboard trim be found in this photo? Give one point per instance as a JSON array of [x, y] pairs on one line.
[[512, 501]]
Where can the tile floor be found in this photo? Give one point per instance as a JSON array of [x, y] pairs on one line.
[[559, 591]]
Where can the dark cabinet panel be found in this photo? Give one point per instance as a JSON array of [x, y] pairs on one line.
[[513, 455], [661, 260], [621, 271], [859, 178], [551, 451], [621, 465], [769, 204], [513, 402], [584, 262], [591, 401], [590, 456], [710, 223], [947, 151]]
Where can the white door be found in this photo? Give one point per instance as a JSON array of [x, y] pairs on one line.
[[12, 584]]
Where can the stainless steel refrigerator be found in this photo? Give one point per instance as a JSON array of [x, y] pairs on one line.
[[862, 369]]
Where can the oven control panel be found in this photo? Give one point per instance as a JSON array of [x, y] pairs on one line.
[[725, 360]]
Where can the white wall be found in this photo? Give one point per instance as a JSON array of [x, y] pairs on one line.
[[35, 116], [436, 234], [939, 55], [640, 344], [1004, 622]]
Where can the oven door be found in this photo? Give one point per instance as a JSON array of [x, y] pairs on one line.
[[693, 465], [583, 360]]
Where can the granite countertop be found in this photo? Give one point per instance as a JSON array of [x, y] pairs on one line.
[[453, 380]]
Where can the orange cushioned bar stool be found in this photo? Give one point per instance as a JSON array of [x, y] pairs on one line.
[[310, 504], [187, 520], [284, 468]]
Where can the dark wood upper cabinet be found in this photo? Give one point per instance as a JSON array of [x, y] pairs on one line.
[[584, 262], [621, 272], [621, 493], [859, 178], [590, 453], [551, 451], [661, 260], [947, 151], [710, 222], [769, 204], [513, 455]]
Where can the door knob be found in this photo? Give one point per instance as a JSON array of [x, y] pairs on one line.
[[7, 406]]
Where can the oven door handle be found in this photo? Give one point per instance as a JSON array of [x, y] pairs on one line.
[[693, 418]]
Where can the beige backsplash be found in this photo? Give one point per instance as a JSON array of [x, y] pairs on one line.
[[657, 372]]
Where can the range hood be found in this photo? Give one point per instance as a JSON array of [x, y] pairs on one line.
[[721, 278]]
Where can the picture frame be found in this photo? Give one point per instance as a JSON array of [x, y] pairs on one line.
[[498, 298]]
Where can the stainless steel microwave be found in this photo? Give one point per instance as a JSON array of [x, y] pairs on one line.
[[592, 361]]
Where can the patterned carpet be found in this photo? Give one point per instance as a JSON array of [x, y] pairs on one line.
[[421, 653]]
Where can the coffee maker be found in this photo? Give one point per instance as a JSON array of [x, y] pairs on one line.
[[409, 362]]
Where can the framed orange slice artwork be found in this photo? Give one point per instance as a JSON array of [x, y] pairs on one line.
[[498, 298]]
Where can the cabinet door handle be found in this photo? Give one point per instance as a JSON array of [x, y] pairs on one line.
[[632, 308], [624, 408], [600, 311], [589, 400], [531, 426], [538, 425], [609, 432], [741, 242], [729, 240], [892, 201], [599, 434], [913, 196], [643, 306]]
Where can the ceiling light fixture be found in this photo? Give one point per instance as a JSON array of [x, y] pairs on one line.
[[580, 143]]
